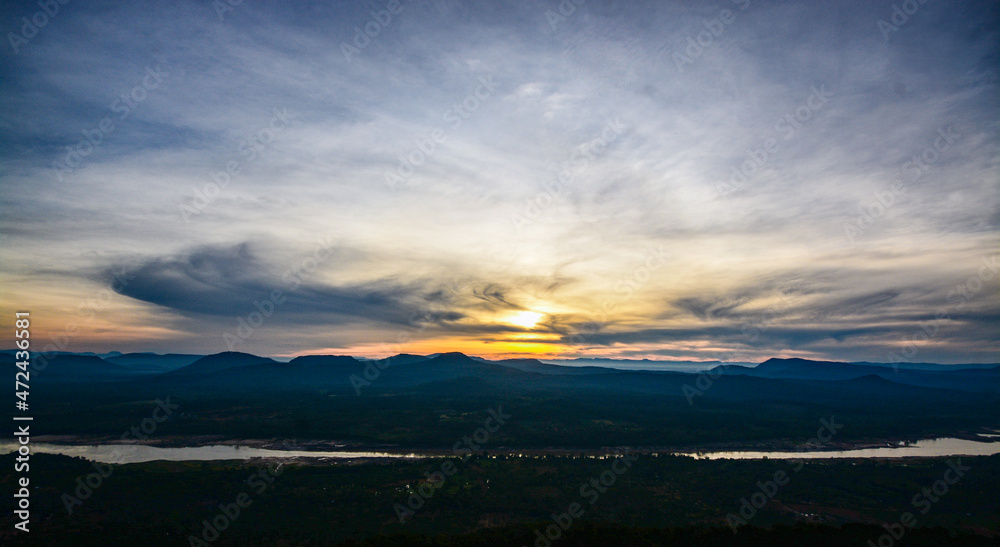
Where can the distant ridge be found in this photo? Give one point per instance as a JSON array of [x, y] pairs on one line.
[[82, 364], [325, 360], [534, 365], [67, 367], [828, 369], [871, 379], [954, 377], [931, 366], [153, 362], [404, 359], [642, 364]]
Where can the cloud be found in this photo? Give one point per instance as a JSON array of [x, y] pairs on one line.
[[230, 281], [444, 242]]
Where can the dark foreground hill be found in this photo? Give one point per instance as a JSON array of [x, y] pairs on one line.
[[508, 501]]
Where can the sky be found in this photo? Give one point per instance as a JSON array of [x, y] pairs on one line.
[[731, 180]]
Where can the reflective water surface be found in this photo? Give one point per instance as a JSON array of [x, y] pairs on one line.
[[923, 448], [134, 453], [137, 453]]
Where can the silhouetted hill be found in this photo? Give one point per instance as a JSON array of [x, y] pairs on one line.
[[794, 379], [455, 364], [431, 401], [935, 367], [403, 359], [334, 372], [732, 370], [337, 361], [66, 367], [870, 380], [315, 372], [221, 361], [446, 366], [641, 364], [534, 365], [807, 369], [153, 362], [975, 380]]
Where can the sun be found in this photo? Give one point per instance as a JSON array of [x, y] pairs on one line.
[[526, 319]]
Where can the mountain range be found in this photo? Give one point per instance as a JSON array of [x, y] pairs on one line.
[[404, 371]]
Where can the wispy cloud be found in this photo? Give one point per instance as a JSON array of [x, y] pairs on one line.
[[747, 96]]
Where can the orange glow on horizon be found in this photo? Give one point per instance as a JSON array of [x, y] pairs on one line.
[[541, 349]]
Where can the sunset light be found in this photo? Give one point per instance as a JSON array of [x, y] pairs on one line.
[[526, 319]]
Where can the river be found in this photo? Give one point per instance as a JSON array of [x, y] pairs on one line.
[[926, 448], [137, 453]]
